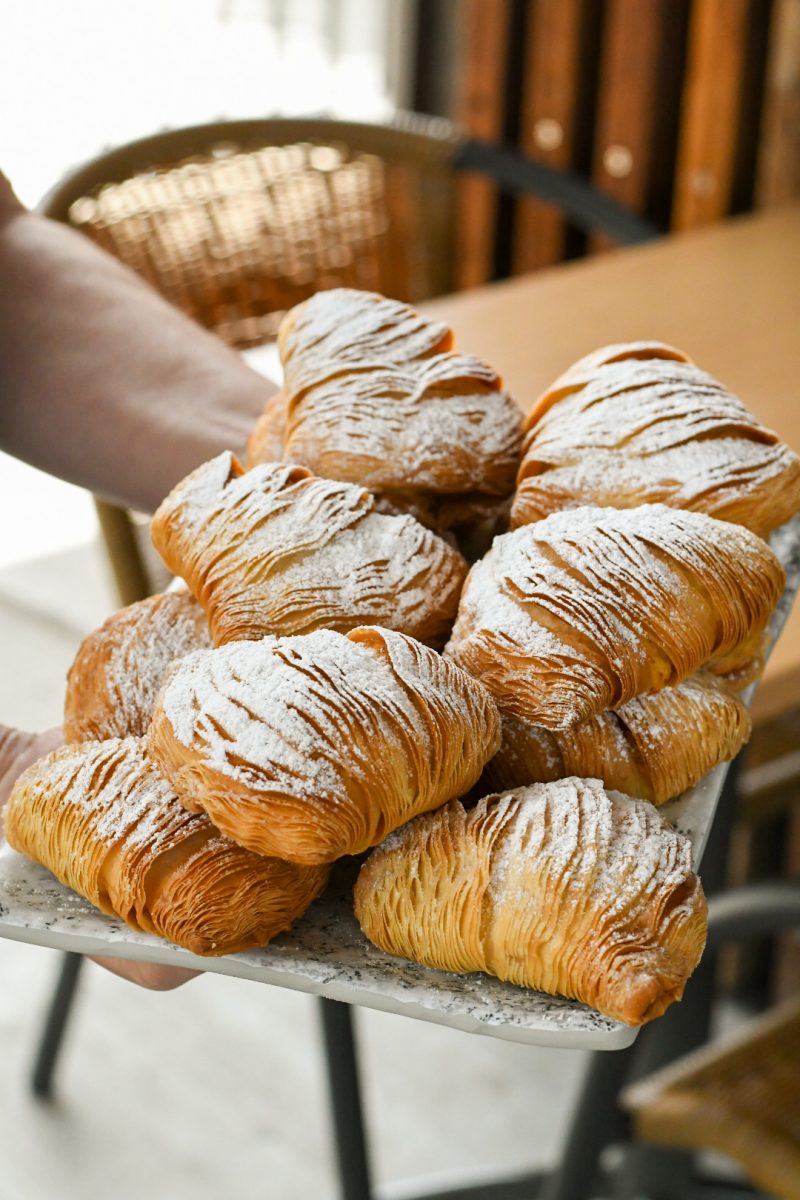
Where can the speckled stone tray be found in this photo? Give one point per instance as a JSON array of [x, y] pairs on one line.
[[326, 953]]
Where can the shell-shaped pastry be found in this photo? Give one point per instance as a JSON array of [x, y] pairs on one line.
[[654, 747], [563, 887], [587, 609], [275, 550], [641, 424], [313, 747], [443, 426], [376, 396], [113, 682], [345, 325], [107, 824]]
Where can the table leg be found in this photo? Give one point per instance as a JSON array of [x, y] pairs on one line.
[[598, 1122], [345, 1098], [54, 1026]]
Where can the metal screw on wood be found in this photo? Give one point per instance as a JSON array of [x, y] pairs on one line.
[[618, 161], [548, 134], [702, 181]]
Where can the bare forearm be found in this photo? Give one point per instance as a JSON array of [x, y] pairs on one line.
[[103, 382]]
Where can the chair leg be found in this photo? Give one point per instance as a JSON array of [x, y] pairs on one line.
[[55, 1025], [651, 1170], [345, 1099], [598, 1122]]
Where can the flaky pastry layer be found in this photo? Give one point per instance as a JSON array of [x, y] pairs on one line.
[[313, 747], [275, 550], [374, 394], [583, 611], [563, 887], [107, 824], [654, 747], [113, 682], [641, 424]]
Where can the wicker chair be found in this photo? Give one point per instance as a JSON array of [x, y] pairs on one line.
[[741, 1097], [237, 221]]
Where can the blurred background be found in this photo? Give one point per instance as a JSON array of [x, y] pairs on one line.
[[683, 111]]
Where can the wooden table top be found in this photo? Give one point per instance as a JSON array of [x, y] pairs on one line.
[[729, 295]]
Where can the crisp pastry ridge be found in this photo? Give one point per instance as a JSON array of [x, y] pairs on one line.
[[275, 550], [102, 819], [640, 423], [581, 612], [346, 325], [374, 394], [654, 747], [313, 747], [563, 887], [114, 679]]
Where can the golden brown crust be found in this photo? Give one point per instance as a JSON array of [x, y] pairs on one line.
[[375, 395], [561, 887], [113, 682], [106, 823], [585, 610], [277, 551], [313, 747], [654, 747], [641, 424]]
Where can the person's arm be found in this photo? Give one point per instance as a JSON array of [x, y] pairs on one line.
[[103, 382], [106, 385]]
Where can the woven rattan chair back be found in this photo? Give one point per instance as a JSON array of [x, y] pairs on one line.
[[236, 222], [741, 1098]]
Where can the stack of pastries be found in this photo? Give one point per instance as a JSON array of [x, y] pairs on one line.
[[336, 680]]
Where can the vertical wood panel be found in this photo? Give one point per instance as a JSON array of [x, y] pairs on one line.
[[481, 110], [625, 143], [778, 179], [550, 106], [711, 111]]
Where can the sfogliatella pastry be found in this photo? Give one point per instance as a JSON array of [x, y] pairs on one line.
[[654, 747], [113, 682], [275, 550], [375, 396], [641, 424], [593, 606], [562, 887], [346, 325], [313, 747], [108, 825]]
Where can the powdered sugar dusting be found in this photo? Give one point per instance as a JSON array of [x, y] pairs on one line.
[[630, 430], [277, 714], [376, 396], [573, 614], [113, 683], [276, 550], [346, 325]]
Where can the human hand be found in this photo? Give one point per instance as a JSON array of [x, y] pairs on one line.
[[18, 750]]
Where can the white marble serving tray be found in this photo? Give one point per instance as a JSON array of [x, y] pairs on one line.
[[326, 953]]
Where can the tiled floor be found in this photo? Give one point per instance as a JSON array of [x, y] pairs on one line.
[[217, 1090]]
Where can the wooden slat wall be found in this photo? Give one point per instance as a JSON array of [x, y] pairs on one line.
[[778, 178], [481, 109], [627, 114], [711, 114], [685, 110], [549, 116]]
